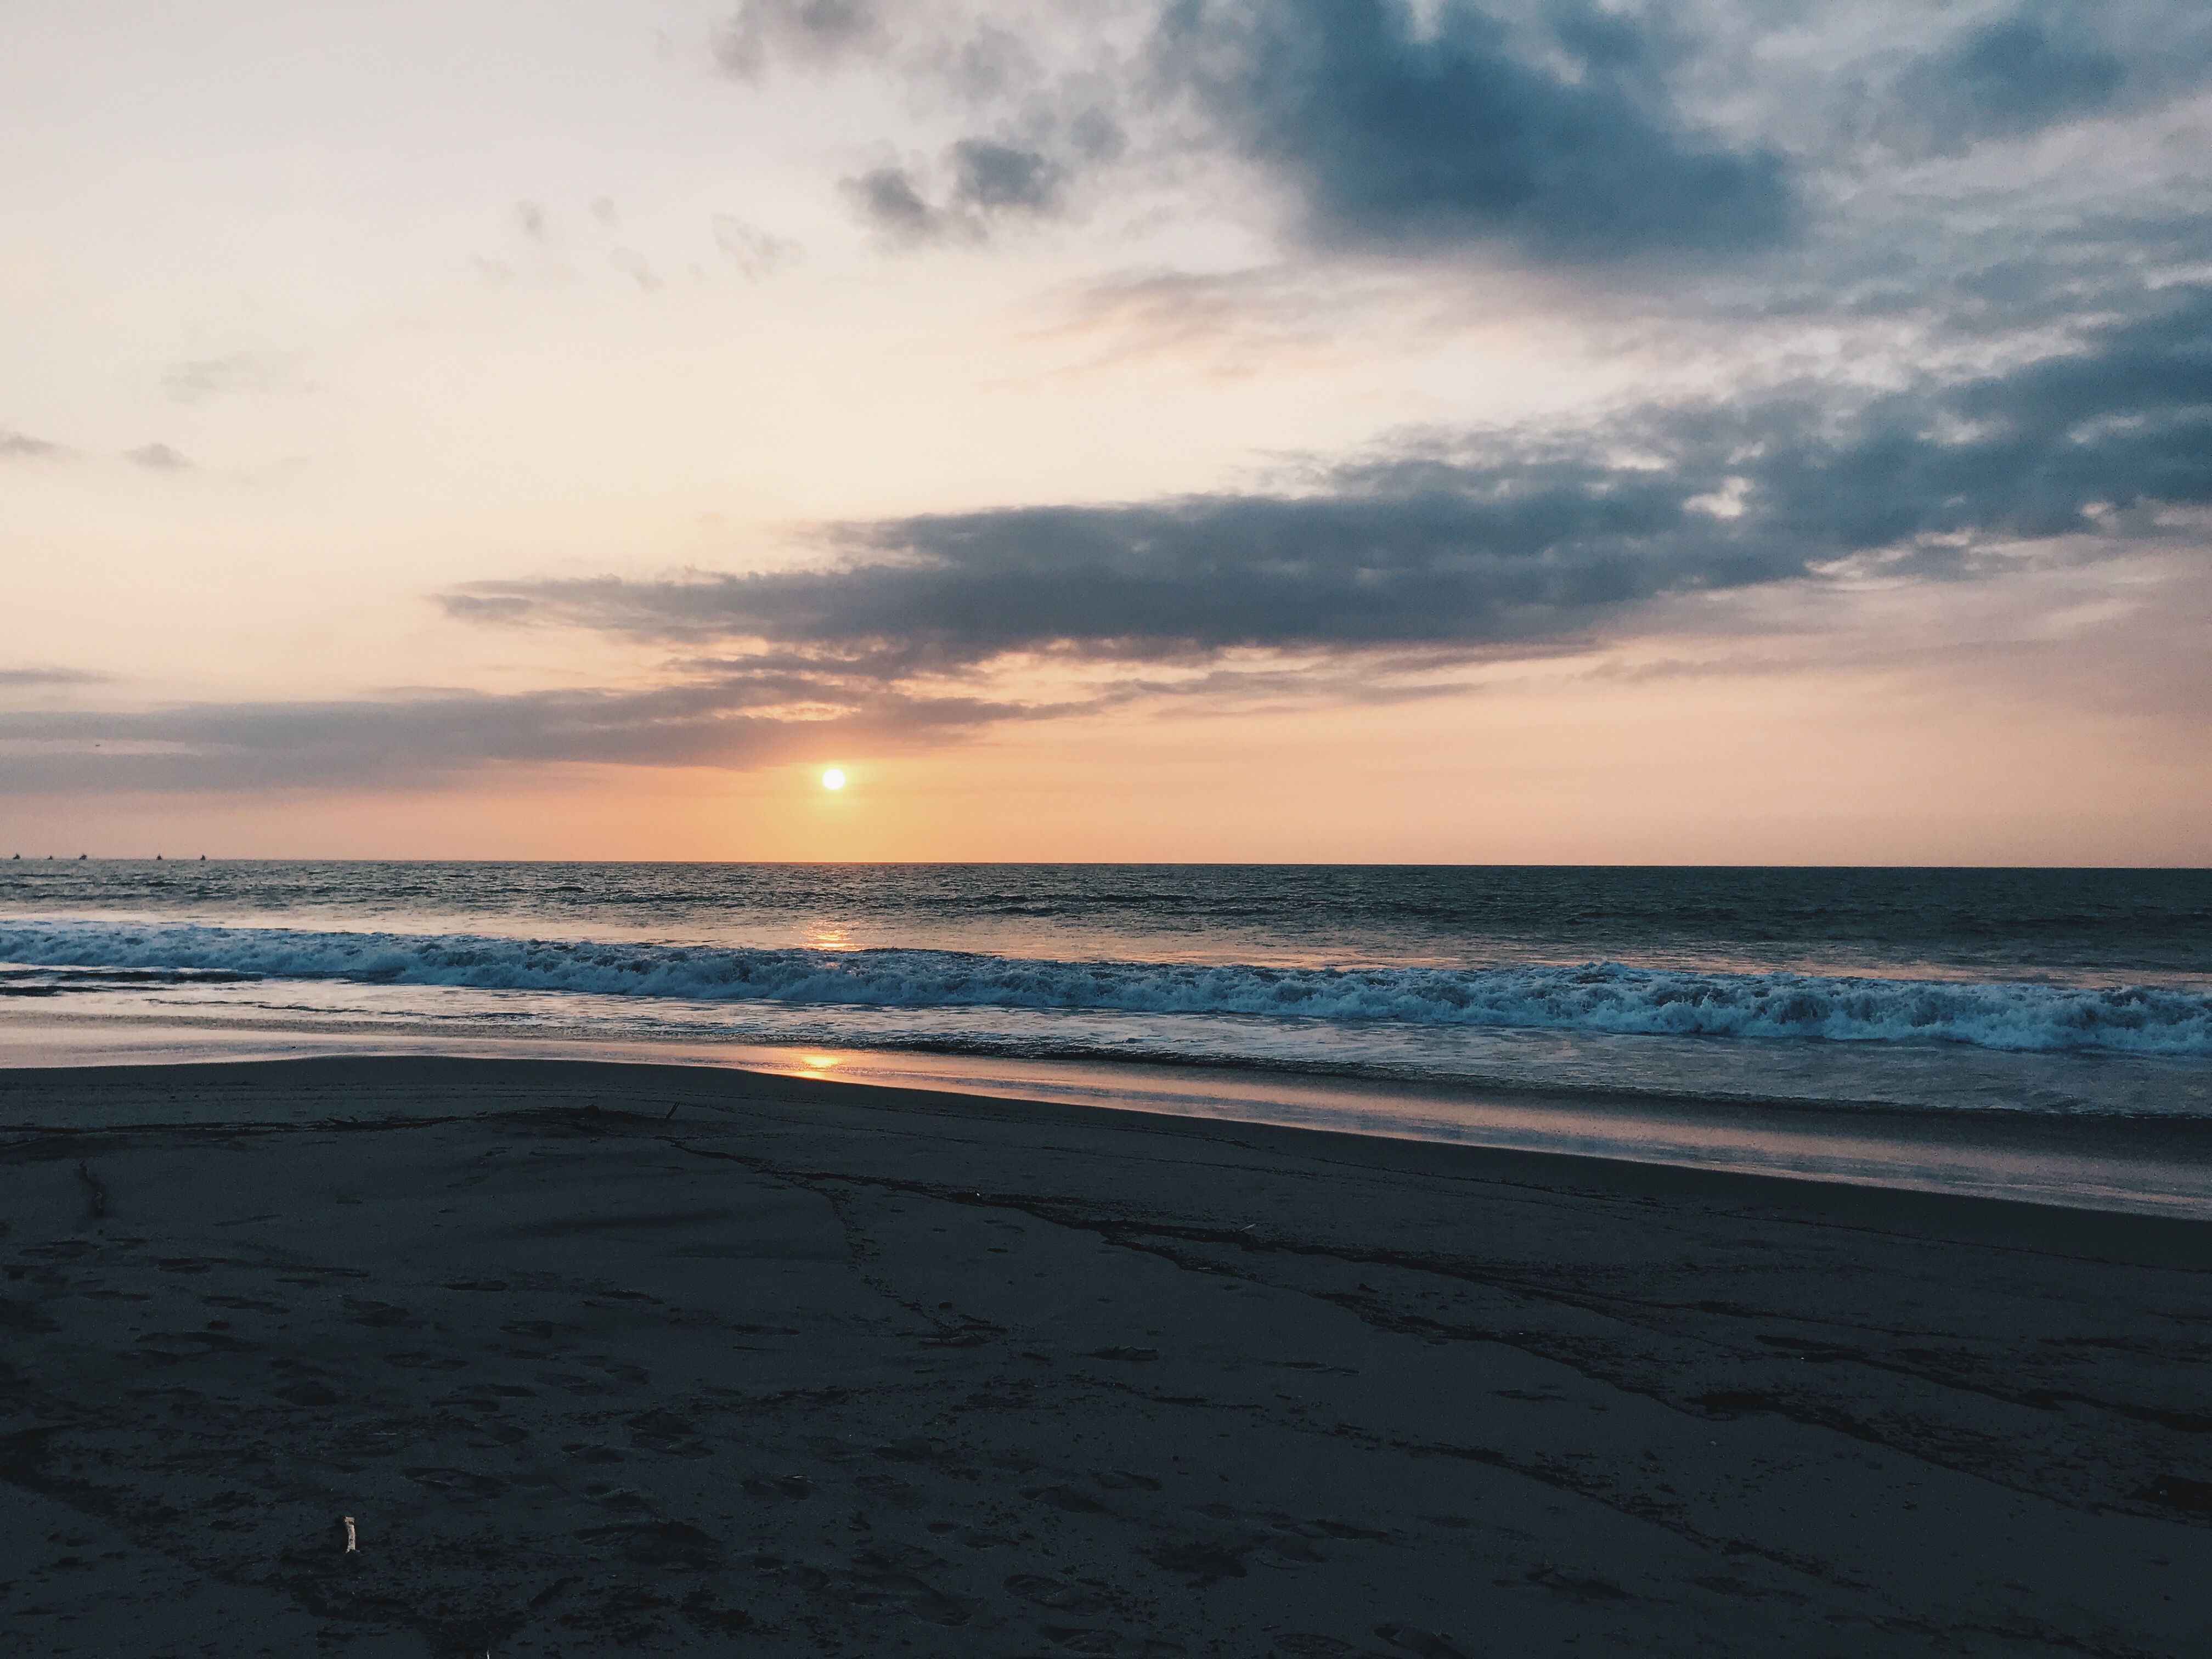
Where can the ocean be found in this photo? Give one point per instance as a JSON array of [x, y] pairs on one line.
[[2044, 1034]]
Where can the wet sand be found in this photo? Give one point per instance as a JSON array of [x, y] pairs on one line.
[[666, 1359]]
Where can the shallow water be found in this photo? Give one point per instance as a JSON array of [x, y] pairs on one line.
[[1788, 1012]]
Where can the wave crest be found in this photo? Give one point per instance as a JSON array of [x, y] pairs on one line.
[[1600, 996]]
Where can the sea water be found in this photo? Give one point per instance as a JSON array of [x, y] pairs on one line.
[[2045, 1033]]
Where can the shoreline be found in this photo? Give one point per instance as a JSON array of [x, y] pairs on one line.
[[598, 1353], [2142, 1162]]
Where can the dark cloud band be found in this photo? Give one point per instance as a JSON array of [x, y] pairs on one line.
[[12, 677], [1452, 553], [1504, 542], [1402, 138], [737, 719]]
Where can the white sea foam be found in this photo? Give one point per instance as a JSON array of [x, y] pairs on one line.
[[1593, 997]]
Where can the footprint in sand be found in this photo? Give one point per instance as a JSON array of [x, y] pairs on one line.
[[1055, 1593], [421, 1361], [1066, 1498], [1422, 1644], [457, 1483], [382, 1315], [1123, 1480]]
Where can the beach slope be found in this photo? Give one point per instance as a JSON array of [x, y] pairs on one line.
[[675, 1359]]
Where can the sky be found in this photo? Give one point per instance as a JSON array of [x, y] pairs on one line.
[[1334, 431]]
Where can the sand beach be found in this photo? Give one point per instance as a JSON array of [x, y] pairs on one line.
[[602, 1357]]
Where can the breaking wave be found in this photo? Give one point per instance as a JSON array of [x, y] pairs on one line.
[[1597, 997]]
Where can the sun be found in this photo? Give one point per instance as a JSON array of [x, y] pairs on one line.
[[833, 779]]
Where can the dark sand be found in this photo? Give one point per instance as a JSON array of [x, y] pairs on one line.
[[674, 1360]]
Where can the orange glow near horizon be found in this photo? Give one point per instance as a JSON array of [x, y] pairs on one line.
[[1849, 765]]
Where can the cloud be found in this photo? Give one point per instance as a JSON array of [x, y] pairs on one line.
[[810, 34], [1368, 579], [991, 181], [486, 607], [744, 717], [241, 371], [752, 250], [889, 199], [2036, 67], [19, 447], [995, 178], [1507, 537], [51, 677], [1460, 556], [991, 63], [1399, 138], [1040, 126], [1568, 132], [632, 264]]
